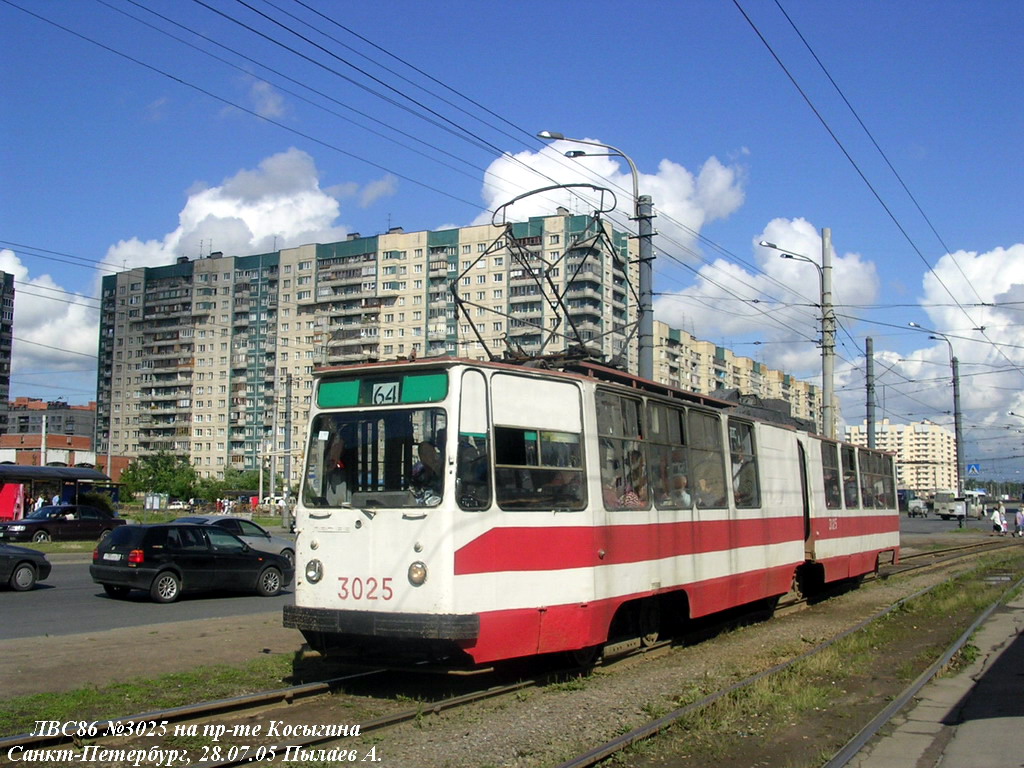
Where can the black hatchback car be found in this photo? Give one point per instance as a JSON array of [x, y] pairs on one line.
[[170, 559], [61, 522]]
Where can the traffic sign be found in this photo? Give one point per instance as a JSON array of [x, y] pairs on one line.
[[974, 469]]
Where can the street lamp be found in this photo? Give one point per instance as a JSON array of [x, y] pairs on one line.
[[828, 324], [643, 214], [957, 423]]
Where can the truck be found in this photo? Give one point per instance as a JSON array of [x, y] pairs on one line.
[[948, 506], [910, 503]]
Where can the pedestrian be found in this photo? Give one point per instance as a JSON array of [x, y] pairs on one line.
[[1020, 521], [39, 503], [996, 523], [56, 499]]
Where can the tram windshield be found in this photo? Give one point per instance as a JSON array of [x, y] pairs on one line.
[[388, 458]]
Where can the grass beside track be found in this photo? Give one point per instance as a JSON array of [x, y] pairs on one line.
[[139, 695]]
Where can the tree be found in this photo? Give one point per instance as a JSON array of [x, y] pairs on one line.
[[162, 472]]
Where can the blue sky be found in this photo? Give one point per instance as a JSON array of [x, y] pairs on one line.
[[135, 148]]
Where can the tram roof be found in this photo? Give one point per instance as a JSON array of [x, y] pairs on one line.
[[568, 366], [554, 365]]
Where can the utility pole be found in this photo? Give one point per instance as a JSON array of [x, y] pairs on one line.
[[644, 215], [828, 334], [869, 355], [957, 425]]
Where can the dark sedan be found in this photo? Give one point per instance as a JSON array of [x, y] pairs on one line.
[[61, 522], [169, 559], [21, 568]]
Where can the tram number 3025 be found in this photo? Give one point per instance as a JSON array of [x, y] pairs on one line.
[[372, 588]]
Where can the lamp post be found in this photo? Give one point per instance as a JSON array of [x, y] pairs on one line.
[[643, 214], [954, 364], [828, 324]]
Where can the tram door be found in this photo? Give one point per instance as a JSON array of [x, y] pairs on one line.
[[805, 491]]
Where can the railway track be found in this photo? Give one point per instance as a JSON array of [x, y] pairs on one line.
[[228, 753]]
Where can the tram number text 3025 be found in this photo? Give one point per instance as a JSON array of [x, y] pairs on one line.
[[372, 588]]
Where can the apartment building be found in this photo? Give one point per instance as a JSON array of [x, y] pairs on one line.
[[6, 336], [925, 452], [213, 357], [683, 361]]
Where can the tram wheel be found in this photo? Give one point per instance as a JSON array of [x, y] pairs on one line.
[[649, 623], [585, 657]]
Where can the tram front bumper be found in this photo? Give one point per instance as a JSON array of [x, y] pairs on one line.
[[379, 624]]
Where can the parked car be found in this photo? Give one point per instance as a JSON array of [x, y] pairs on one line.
[[61, 522], [21, 567], [252, 534], [170, 559], [177, 504]]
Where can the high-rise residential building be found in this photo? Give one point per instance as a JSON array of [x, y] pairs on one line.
[[213, 357], [682, 360], [6, 336], [925, 452]]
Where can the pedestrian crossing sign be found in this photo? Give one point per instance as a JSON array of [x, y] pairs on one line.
[[974, 469]]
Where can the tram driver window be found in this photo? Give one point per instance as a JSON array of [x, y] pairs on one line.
[[538, 469]]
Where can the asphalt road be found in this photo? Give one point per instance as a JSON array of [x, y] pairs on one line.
[[69, 602]]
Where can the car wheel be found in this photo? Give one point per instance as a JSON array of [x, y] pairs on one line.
[[23, 578], [40, 536], [289, 556], [106, 532], [166, 588], [269, 583], [115, 591]]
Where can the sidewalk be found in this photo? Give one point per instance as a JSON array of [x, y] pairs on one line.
[[970, 720]]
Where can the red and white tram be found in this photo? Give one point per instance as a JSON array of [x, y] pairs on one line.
[[469, 512]]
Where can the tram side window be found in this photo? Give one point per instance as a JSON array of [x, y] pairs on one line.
[[745, 488], [623, 463], [850, 477], [538, 469], [708, 459], [888, 482], [830, 473], [875, 492], [668, 463]]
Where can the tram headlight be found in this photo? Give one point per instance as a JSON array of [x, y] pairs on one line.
[[314, 571], [417, 573]]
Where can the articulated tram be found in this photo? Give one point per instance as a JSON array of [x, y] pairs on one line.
[[467, 512]]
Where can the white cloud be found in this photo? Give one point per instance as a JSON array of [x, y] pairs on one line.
[[55, 336], [777, 302], [277, 204], [266, 100], [377, 190], [684, 201]]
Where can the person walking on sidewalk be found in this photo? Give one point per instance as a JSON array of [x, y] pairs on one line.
[[1020, 521], [997, 526]]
